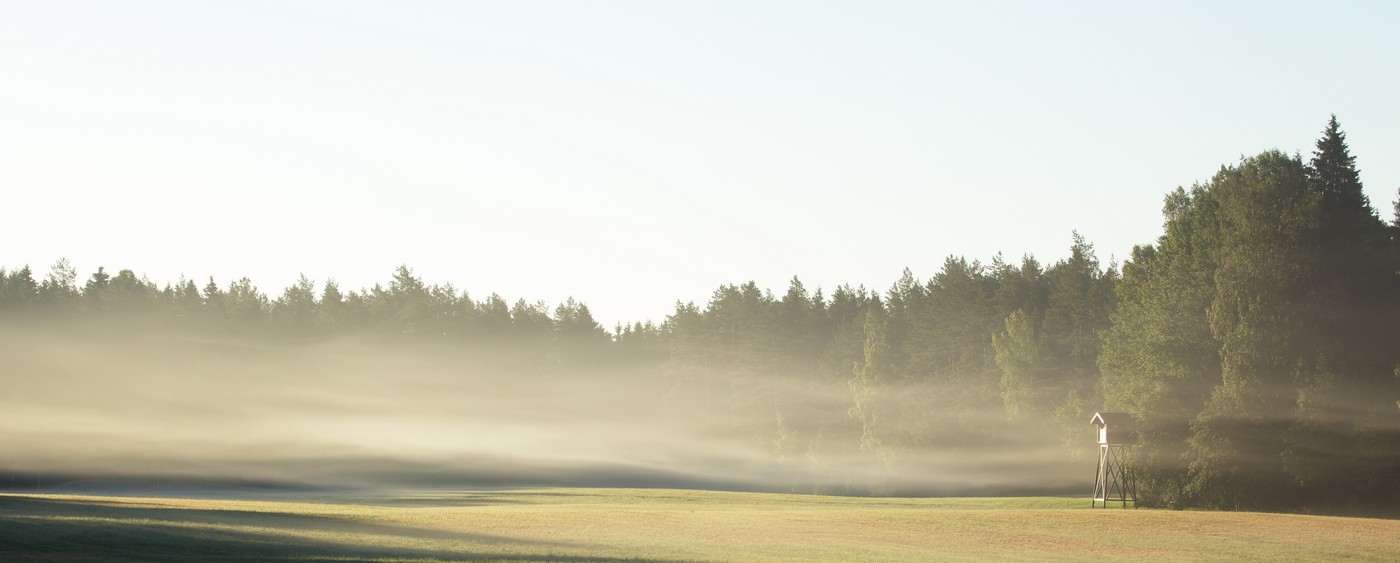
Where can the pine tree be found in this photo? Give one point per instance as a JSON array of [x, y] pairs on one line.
[[59, 291], [185, 301], [1080, 298], [18, 290], [246, 303], [95, 290], [331, 308], [296, 308], [406, 302]]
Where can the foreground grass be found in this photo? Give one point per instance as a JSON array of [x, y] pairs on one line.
[[611, 524]]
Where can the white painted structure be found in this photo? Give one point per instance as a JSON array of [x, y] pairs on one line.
[[1114, 481]]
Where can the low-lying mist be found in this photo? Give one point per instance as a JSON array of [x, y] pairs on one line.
[[142, 405]]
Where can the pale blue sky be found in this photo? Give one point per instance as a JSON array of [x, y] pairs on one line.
[[631, 154]]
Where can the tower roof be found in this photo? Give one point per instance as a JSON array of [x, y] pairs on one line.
[[1113, 418]]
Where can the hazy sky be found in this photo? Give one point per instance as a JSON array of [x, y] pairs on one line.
[[631, 154]]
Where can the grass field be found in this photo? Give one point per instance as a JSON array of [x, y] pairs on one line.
[[669, 525]]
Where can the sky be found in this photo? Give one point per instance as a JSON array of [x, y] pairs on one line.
[[636, 154]]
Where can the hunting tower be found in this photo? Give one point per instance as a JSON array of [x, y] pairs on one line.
[[1114, 481]]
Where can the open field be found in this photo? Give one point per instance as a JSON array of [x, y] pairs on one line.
[[648, 524]]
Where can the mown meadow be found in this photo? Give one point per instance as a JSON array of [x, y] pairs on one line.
[[572, 524]]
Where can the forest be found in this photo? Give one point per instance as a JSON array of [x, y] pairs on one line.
[[1255, 343]]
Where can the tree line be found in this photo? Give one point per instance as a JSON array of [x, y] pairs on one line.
[[1254, 342]]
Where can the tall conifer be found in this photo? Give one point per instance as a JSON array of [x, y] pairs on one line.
[[1346, 212]]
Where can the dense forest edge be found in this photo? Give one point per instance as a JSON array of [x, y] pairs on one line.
[[1255, 342]]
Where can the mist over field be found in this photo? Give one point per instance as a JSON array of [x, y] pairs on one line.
[[143, 405], [1252, 346]]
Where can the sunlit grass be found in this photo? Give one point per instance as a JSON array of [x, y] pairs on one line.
[[607, 524]]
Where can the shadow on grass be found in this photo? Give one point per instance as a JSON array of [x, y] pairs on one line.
[[49, 529], [412, 499]]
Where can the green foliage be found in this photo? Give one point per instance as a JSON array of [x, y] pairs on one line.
[[1395, 220], [874, 369], [18, 291], [1253, 341], [1345, 210], [297, 307], [1266, 256], [59, 291], [185, 301], [1018, 356]]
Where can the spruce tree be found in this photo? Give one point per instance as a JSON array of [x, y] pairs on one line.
[[1346, 212], [1352, 309], [1355, 280], [1395, 222], [1351, 236]]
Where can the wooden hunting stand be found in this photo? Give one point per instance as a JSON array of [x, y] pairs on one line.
[[1114, 481]]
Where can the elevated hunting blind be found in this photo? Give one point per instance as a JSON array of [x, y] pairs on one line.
[[1114, 481]]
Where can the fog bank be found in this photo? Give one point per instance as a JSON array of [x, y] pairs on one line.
[[135, 406]]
